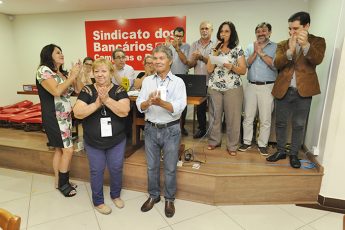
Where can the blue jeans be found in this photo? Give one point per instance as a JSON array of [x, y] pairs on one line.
[[99, 158], [166, 140], [292, 104]]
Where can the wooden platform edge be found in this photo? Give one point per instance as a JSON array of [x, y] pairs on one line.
[[202, 188]]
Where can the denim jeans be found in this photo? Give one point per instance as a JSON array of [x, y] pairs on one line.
[[99, 158], [292, 104], [166, 140]]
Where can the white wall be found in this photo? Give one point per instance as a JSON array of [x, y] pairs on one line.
[[9, 76], [324, 24], [332, 123]]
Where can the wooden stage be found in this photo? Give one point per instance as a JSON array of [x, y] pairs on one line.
[[222, 179]]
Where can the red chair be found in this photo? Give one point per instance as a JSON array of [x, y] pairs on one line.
[[21, 104]]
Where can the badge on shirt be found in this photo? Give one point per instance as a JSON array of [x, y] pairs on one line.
[[163, 91], [106, 130]]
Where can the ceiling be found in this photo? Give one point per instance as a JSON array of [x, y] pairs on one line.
[[16, 7]]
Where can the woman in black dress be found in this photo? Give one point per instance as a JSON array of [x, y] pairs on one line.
[[55, 86]]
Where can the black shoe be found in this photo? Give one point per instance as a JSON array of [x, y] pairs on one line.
[[294, 162], [263, 151], [169, 208], [148, 205], [276, 157], [199, 134], [244, 147], [184, 132]]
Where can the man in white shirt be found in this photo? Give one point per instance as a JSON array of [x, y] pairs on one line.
[[125, 73]]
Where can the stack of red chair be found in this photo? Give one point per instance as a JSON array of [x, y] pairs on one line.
[[22, 115]]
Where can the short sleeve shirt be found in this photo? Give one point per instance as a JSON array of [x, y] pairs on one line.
[[92, 125]]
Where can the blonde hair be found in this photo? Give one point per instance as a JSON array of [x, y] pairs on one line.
[[102, 61]]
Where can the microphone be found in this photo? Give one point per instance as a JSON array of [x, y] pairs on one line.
[[219, 44]]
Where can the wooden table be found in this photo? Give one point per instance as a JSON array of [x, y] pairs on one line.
[[139, 121]]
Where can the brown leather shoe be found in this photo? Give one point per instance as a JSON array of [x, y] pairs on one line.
[[148, 205], [169, 208]]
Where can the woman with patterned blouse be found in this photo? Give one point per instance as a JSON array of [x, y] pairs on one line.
[[225, 89], [55, 86]]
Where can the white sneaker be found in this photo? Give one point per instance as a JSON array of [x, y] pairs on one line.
[[119, 202]]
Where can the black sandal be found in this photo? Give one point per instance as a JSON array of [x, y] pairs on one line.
[[64, 186], [67, 190]]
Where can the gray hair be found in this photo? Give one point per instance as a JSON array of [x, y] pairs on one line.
[[164, 49], [147, 57]]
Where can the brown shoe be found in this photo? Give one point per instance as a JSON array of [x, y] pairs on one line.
[[148, 205], [169, 208]]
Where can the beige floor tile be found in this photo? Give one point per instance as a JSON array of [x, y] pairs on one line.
[[213, 220], [83, 221], [14, 184], [306, 215], [18, 207], [306, 228], [42, 184], [53, 205], [265, 217], [166, 228], [130, 217], [328, 222], [184, 210]]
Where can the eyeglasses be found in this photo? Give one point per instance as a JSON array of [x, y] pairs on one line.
[[88, 64], [120, 57], [178, 36], [149, 63]]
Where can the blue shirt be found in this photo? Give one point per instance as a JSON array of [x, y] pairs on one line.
[[176, 95], [177, 66], [259, 70]]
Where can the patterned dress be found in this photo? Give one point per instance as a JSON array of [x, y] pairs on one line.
[[56, 111], [223, 79]]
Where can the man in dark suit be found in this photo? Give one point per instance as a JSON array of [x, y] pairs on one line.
[[296, 60]]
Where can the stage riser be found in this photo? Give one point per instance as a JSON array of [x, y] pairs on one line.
[[209, 189]]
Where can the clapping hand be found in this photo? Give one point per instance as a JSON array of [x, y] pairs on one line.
[[167, 41], [292, 43], [154, 98], [103, 94], [302, 38], [75, 70], [196, 55]]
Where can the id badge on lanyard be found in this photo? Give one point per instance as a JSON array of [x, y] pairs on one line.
[[106, 128]]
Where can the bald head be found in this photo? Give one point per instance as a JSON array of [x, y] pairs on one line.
[[206, 29]]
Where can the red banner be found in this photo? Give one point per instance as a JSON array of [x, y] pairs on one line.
[[137, 37]]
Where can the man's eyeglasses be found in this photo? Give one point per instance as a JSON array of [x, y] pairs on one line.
[[178, 36], [120, 57], [149, 63]]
